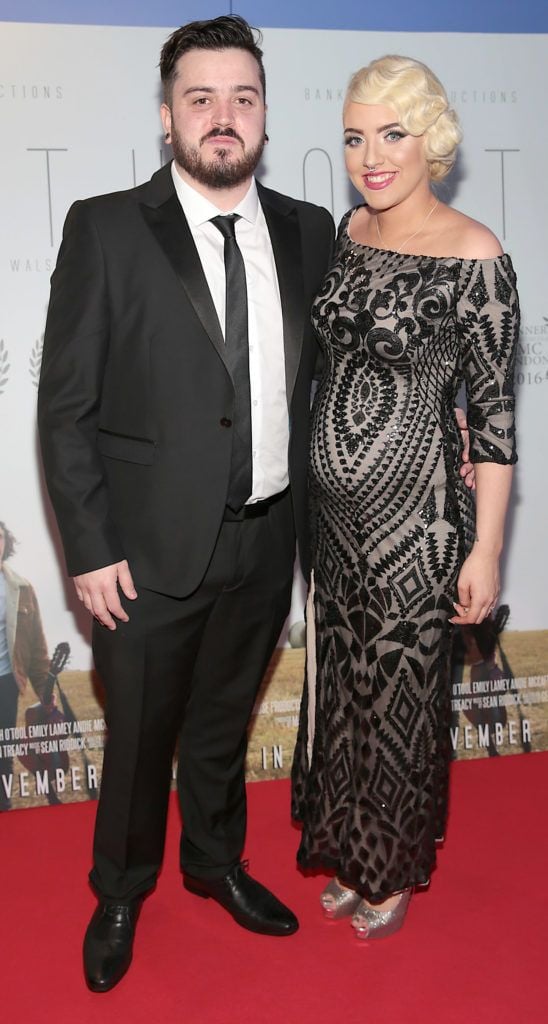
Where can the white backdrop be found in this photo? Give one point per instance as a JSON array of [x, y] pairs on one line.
[[79, 116]]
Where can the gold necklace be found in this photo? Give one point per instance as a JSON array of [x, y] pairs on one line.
[[406, 240]]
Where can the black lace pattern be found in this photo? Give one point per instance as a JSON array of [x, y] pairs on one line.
[[391, 524]]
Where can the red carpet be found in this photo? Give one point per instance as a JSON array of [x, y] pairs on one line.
[[473, 948]]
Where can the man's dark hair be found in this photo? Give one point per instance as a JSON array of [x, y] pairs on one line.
[[9, 541], [227, 32]]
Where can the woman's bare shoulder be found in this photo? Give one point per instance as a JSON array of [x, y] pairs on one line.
[[471, 240]]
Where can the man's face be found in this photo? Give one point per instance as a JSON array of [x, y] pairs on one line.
[[216, 120]]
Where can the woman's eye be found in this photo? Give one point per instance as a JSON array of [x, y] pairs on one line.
[[394, 136], [353, 140]]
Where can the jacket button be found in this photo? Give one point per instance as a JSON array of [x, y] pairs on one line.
[[226, 422]]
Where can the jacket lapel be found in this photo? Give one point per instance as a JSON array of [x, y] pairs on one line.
[[167, 222], [169, 226], [283, 226]]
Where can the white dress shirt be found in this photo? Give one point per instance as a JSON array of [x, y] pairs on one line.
[[269, 412]]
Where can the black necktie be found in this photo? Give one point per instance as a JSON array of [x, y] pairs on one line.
[[237, 358]]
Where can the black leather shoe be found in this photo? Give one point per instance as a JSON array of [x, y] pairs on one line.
[[108, 945], [250, 904]]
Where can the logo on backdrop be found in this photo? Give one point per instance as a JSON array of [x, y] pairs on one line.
[[30, 91], [318, 163], [47, 170], [318, 169], [317, 178], [48, 165], [4, 366], [324, 94], [502, 169], [532, 355], [503, 97], [35, 360], [485, 96]]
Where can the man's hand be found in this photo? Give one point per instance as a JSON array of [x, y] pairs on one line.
[[98, 591], [467, 471]]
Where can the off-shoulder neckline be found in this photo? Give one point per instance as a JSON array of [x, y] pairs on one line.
[[415, 255]]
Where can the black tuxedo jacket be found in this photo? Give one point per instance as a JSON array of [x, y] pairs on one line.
[[135, 399]]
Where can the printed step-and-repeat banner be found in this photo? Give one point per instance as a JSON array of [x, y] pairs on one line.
[[79, 116]]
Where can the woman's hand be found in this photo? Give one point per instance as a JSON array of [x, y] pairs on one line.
[[478, 587]]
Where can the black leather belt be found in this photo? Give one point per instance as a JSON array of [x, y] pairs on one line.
[[258, 508]]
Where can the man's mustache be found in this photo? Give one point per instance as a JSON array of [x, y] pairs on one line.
[[215, 132]]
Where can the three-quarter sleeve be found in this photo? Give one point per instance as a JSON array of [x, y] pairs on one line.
[[488, 330]]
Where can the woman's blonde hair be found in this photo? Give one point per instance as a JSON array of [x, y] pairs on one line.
[[420, 101]]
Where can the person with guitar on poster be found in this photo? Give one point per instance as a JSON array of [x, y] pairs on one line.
[[23, 651], [480, 648]]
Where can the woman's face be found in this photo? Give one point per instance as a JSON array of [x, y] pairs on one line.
[[384, 162]]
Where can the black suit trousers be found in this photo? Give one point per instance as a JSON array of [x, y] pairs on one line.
[[188, 669]]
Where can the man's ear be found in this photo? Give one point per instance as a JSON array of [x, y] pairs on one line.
[[165, 114]]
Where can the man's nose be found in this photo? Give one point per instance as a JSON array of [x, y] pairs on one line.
[[223, 113]]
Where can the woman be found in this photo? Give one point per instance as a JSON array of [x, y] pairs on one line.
[[418, 298]]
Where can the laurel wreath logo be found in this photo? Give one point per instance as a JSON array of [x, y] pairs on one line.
[[4, 366], [35, 361]]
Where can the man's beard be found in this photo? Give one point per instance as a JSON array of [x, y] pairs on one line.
[[221, 171]]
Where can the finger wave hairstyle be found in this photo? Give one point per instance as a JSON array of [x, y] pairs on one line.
[[420, 101]]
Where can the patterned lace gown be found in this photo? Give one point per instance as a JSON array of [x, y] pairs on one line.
[[391, 525]]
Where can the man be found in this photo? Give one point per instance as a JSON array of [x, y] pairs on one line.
[[173, 414]]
